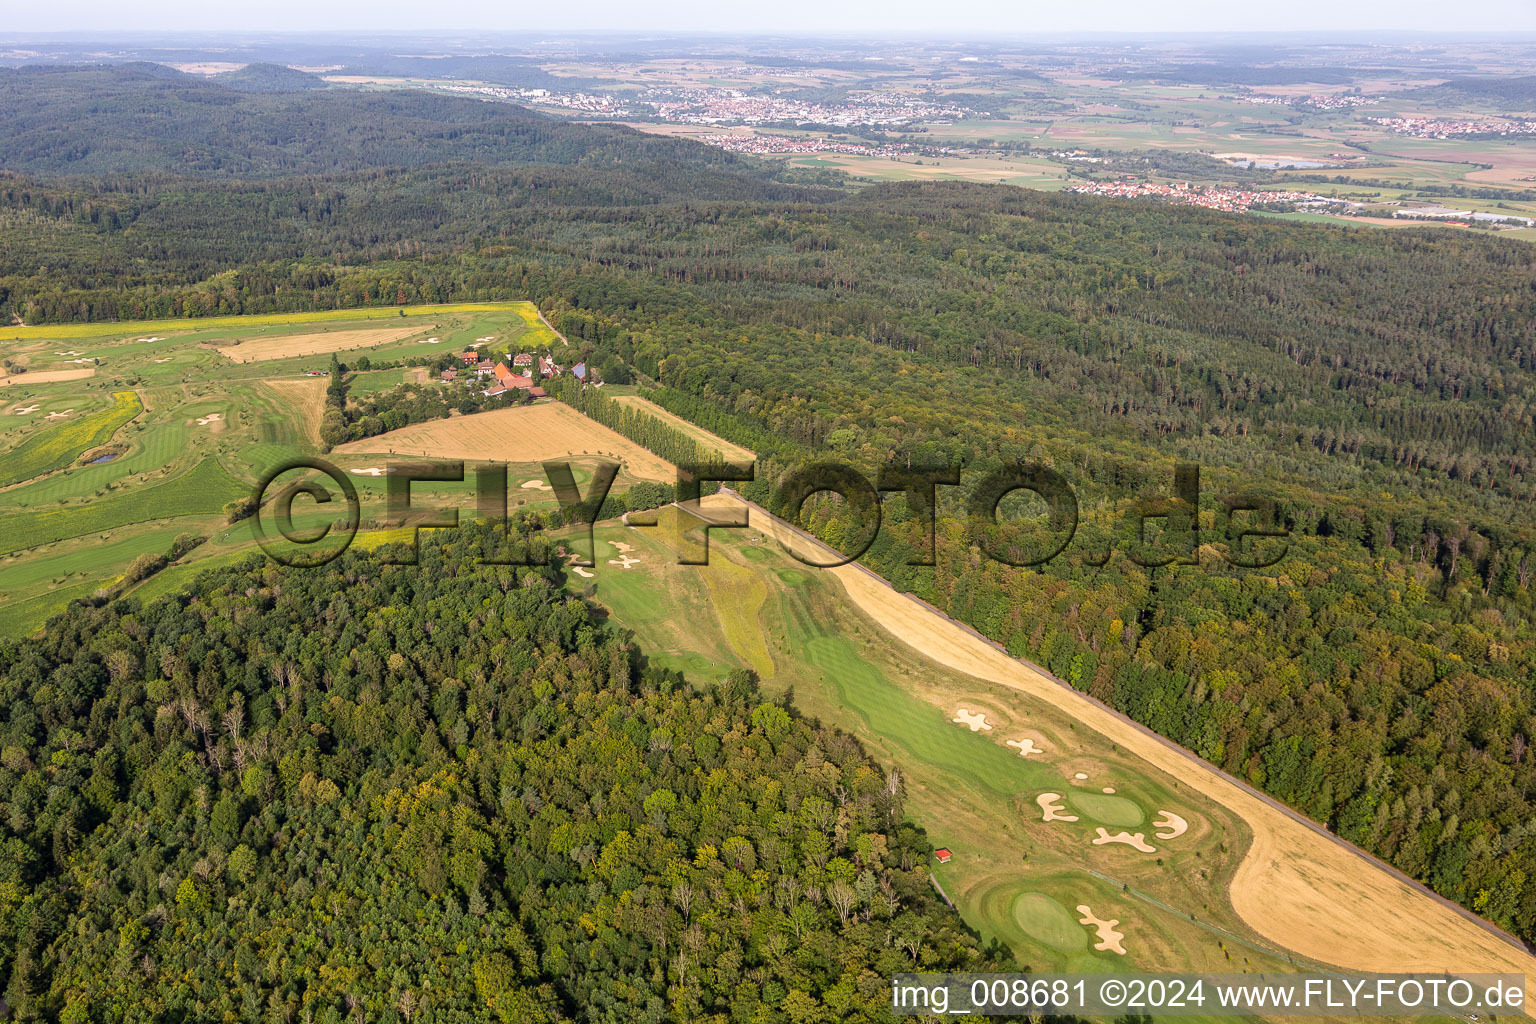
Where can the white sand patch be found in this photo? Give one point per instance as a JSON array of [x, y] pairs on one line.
[[976, 722], [60, 415], [427, 341], [1110, 940], [625, 562], [145, 341], [165, 360], [71, 352], [1173, 825], [1137, 839], [536, 485], [1080, 777], [571, 558], [25, 410], [485, 340], [369, 471], [1051, 808], [621, 547], [85, 360], [1026, 746], [213, 417], [1109, 789]]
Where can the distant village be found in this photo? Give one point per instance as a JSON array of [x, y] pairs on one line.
[[1321, 101], [781, 145], [1214, 197], [728, 106], [1450, 128]]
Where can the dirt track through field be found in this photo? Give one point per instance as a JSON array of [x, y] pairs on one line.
[[530, 433], [1301, 888], [283, 346]]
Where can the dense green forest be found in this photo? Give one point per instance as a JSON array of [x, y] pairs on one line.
[[441, 795], [1377, 386]]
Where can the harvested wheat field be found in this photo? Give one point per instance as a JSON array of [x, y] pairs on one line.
[[48, 376], [305, 397], [283, 346], [1301, 889], [531, 433]]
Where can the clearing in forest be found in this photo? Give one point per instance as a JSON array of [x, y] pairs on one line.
[[1297, 887]]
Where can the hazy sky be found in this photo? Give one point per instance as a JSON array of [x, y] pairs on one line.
[[798, 17]]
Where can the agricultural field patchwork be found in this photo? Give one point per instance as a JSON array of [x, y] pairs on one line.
[[173, 420]]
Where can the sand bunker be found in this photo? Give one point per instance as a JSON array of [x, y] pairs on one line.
[[1109, 789], [621, 547], [1026, 746], [1137, 840], [86, 360], [1080, 777], [427, 341], [1051, 808], [165, 360], [624, 562], [976, 722], [147, 340], [571, 558], [1110, 940], [71, 352], [536, 485], [1175, 826], [213, 417], [25, 410], [60, 415], [370, 471]]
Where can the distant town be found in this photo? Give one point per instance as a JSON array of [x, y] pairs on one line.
[[1324, 101], [730, 106], [783, 145], [1233, 200], [1449, 128]]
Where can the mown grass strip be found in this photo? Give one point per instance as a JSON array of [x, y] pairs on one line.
[[203, 490], [59, 446], [109, 328]]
